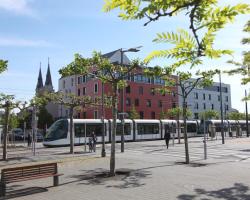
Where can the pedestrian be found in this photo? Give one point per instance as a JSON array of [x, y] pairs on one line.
[[167, 137], [90, 144], [29, 139], [94, 140]]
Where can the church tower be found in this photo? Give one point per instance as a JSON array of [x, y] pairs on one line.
[[39, 85], [48, 82]]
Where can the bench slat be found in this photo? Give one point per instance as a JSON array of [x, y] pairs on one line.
[[32, 178]]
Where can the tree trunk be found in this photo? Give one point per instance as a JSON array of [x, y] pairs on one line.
[[113, 136], [185, 129], [5, 133], [71, 130]]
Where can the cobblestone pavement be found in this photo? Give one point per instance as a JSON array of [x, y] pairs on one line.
[[147, 170]]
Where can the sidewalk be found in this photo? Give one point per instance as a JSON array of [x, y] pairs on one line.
[[147, 170]]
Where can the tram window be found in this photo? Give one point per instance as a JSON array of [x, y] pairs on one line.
[[79, 130], [191, 128], [97, 128], [127, 129], [58, 130], [148, 129]]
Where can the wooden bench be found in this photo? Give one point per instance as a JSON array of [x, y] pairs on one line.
[[25, 173]]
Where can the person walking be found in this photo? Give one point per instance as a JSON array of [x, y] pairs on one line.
[[94, 140], [167, 137], [29, 139]]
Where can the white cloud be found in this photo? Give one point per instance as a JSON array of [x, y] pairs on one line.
[[17, 6], [23, 42]]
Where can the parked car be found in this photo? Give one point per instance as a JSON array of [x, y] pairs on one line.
[[16, 134], [39, 137]]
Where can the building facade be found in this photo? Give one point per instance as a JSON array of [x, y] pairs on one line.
[[140, 94], [208, 98]]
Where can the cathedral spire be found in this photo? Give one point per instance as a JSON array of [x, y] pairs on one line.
[[39, 84], [48, 81]]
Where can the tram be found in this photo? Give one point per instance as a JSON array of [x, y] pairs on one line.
[[134, 130]]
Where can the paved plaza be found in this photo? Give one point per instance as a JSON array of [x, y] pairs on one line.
[[147, 170]]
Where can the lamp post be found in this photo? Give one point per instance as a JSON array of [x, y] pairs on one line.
[[136, 49], [247, 128], [221, 112]]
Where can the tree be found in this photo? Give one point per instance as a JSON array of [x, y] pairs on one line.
[[243, 67], [133, 113], [113, 74], [72, 102], [8, 103], [177, 113], [205, 19], [236, 116], [3, 65], [209, 114], [45, 119]]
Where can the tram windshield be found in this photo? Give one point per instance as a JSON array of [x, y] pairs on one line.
[[58, 130]]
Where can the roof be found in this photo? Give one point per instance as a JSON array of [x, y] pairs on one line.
[[110, 54]]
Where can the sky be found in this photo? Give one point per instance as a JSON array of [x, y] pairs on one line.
[[33, 30]]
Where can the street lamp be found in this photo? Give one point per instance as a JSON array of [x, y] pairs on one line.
[[135, 49]]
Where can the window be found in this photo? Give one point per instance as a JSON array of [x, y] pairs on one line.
[[160, 104], [136, 102], [173, 105], [196, 96], [58, 130], [140, 90], [209, 96], [127, 129], [141, 114], [96, 88], [79, 79], [204, 96], [212, 106], [204, 106], [226, 107], [79, 92], [152, 91], [148, 129], [72, 82], [148, 103], [64, 83], [226, 98], [226, 90], [78, 115], [152, 115], [128, 89], [84, 79], [128, 102], [84, 90], [95, 114], [196, 106], [196, 115], [218, 88], [84, 115], [218, 97]]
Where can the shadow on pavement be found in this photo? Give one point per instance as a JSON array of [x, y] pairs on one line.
[[237, 192], [23, 192], [125, 178]]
